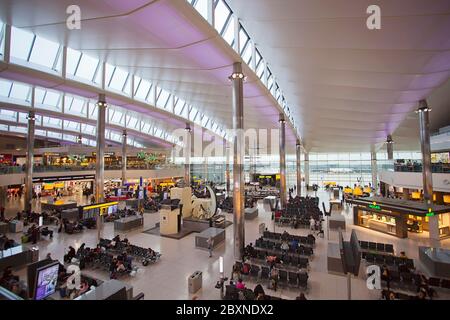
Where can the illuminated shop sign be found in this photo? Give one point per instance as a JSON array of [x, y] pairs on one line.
[[374, 206]]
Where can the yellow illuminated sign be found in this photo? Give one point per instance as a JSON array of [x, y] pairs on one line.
[[101, 205]]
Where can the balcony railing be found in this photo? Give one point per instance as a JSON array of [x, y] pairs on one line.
[[42, 168], [416, 166]]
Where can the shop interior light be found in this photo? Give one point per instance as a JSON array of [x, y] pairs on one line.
[[426, 109], [221, 264]]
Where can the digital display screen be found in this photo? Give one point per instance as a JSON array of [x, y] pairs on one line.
[[47, 278]]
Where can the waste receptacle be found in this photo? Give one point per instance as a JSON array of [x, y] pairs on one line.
[[195, 282]]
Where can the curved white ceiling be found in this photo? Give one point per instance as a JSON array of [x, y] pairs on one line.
[[165, 41], [352, 86]]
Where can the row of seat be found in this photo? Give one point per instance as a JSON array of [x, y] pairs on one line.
[[389, 260], [276, 248], [287, 259], [377, 246], [285, 277], [289, 237]]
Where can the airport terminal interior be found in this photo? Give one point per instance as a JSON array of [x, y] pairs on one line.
[[224, 150]]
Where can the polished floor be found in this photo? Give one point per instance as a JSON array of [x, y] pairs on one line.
[[167, 279]]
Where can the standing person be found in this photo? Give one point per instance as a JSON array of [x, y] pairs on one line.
[[312, 223], [210, 243]]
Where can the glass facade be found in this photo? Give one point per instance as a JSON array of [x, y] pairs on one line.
[[346, 169]]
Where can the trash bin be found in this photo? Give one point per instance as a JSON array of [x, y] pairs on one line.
[[195, 282]]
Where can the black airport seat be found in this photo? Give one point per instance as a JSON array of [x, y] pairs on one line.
[[303, 280], [389, 248], [254, 271], [282, 277], [434, 282], [379, 258], [302, 262], [389, 260], [364, 245], [370, 257], [293, 279], [445, 284], [380, 247], [265, 273]]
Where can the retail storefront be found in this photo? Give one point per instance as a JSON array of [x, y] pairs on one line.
[[398, 217]]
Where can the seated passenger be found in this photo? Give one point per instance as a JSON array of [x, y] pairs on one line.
[[240, 285]]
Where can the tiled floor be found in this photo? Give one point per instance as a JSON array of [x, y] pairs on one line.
[[168, 278]]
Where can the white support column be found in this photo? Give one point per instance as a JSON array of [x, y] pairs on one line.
[[283, 193], [133, 89], [29, 161], [237, 43], [298, 150], [306, 168], [100, 159], [187, 155], [103, 77], [237, 79], [124, 157], [374, 168]]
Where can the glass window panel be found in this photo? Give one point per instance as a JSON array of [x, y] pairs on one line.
[[228, 34], [69, 137], [73, 56], [247, 54], [243, 39], [76, 107], [18, 129], [44, 52], [8, 115], [41, 133], [87, 67], [20, 91], [5, 87], [163, 99], [54, 135], [221, 14], [146, 127], [52, 122], [143, 90], [202, 7], [179, 105], [88, 129], [92, 110], [22, 117], [132, 122], [39, 95], [118, 79], [21, 42], [52, 98]]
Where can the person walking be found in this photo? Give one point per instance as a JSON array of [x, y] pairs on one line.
[[210, 243]]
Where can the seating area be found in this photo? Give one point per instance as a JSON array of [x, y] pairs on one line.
[[305, 240], [389, 260], [268, 246], [376, 247], [145, 255], [286, 277], [298, 212]]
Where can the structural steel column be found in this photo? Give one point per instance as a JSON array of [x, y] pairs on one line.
[[29, 161], [237, 79], [390, 147], [298, 149], [307, 168], [283, 194], [124, 157], [187, 156], [227, 167], [100, 158], [373, 156], [427, 178]]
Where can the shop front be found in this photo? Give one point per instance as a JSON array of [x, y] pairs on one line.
[[399, 217]]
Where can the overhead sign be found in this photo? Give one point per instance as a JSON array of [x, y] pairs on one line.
[[374, 206]]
